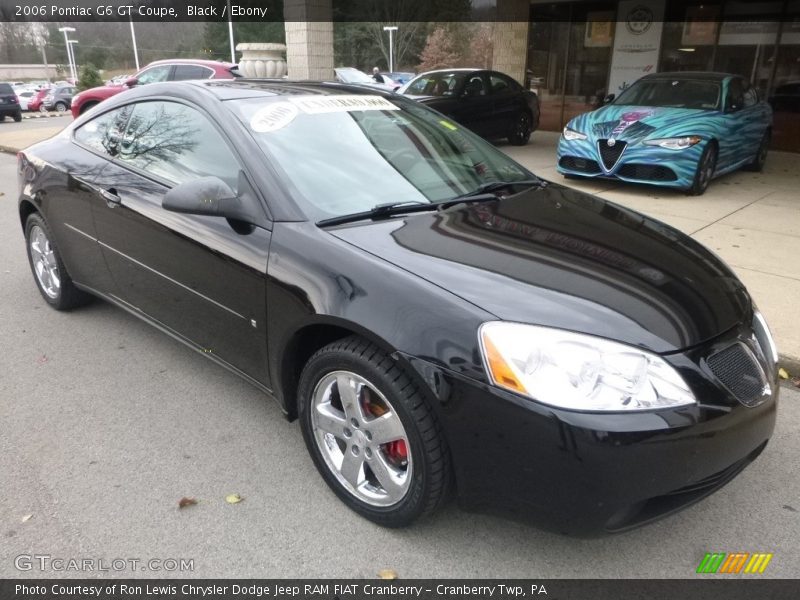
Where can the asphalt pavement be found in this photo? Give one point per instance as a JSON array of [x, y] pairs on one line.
[[106, 424]]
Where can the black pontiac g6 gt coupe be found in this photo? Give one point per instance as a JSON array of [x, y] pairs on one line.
[[468, 328]]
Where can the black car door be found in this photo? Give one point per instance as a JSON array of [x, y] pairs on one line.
[[201, 277], [471, 104], [507, 103]]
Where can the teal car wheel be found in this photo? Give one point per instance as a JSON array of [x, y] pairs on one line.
[[705, 170], [761, 157]]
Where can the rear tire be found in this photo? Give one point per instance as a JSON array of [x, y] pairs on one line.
[[705, 170], [48, 269], [42, 108], [376, 443], [61, 107], [757, 165], [18, 116], [522, 130]]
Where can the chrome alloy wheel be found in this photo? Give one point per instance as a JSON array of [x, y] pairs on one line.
[[44, 262], [361, 438], [707, 168]]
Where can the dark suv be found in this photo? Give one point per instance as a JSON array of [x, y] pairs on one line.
[[9, 103]]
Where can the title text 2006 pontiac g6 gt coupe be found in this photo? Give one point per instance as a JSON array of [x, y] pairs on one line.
[[468, 327]]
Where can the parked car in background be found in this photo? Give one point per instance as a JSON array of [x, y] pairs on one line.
[[677, 130], [59, 97], [36, 103], [9, 105], [355, 77], [24, 98], [160, 70], [467, 327], [489, 103], [401, 77]]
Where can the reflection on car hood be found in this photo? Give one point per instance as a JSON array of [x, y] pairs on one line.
[[633, 122], [564, 259]]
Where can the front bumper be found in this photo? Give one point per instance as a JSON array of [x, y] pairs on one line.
[[588, 474], [637, 163]]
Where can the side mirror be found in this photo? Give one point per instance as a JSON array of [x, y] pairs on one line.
[[131, 81], [208, 196], [609, 99]]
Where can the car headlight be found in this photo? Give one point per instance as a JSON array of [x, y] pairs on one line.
[[764, 336], [571, 134], [678, 143], [578, 372]]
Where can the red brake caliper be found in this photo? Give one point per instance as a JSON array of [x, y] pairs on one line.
[[396, 451]]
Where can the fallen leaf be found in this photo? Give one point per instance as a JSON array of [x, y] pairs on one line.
[[42, 359], [184, 502], [233, 498], [782, 373], [387, 574], [27, 518]]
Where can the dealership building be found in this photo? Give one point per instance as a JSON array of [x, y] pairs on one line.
[[575, 53]]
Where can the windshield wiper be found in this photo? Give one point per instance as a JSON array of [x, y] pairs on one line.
[[378, 211], [486, 191]]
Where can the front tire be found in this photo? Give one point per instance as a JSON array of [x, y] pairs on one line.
[[87, 107], [42, 108], [705, 170], [61, 107], [371, 433], [521, 131], [48, 269]]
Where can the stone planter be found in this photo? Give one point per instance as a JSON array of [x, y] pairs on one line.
[[262, 60]]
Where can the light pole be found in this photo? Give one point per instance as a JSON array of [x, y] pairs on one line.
[[391, 29], [65, 31], [230, 32], [135, 51], [74, 62]]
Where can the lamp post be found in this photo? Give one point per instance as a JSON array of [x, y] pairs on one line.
[[135, 51], [391, 29], [74, 62], [230, 33], [66, 31]]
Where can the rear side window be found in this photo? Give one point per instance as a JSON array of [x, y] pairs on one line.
[[176, 143], [6, 88], [183, 72], [103, 134]]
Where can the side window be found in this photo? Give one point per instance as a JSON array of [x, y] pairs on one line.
[[475, 86], [177, 143], [104, 133], [750, 96], [735, 95], [183, 72], [502, 84], [154, 75]]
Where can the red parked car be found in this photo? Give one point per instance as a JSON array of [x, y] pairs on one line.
[[160, 70], [36, 102]]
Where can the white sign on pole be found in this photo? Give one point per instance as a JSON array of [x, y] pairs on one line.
[[637, 42]]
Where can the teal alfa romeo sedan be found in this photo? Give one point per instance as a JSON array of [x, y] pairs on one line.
[[678, 130]]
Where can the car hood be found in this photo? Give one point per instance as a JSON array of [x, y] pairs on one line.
[[637, 122], [104, 91], [561, 258]]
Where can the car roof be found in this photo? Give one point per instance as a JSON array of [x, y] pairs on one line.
[[192, 61], [705, 75], [243, 88]]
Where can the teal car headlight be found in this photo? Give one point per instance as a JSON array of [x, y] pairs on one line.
[[571, 134], [677, 143]]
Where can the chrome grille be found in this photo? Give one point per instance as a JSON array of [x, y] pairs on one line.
[[610, 154], [739, 371]]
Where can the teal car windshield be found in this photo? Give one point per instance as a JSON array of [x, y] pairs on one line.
[[675, 93], [344, 154]]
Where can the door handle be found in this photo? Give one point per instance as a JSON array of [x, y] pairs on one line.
[[111, 197]]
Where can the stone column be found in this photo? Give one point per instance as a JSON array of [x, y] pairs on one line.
[[309, 39], [510, 37]]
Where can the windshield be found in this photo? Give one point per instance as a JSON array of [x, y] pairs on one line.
[[675, 93], [436, 84], [345, 154], [348, 75]]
